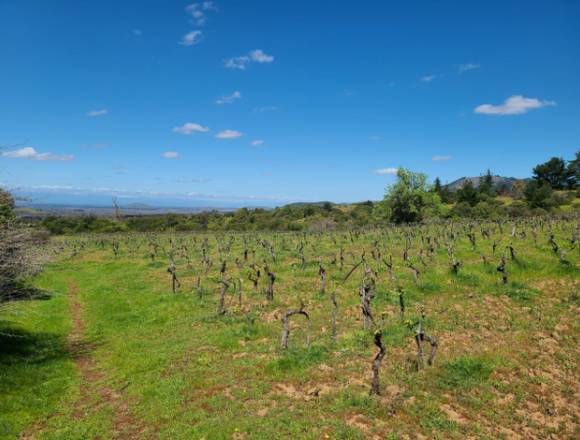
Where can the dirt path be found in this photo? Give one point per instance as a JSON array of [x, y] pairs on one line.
[[94, 392], [125, 425]]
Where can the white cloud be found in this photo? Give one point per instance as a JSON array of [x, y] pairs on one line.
[[392, 171], [467, 67], [514, 105], [259, 56], [428, 78], [441, 158], [242, 62], [198, 11], [257, 142], [237, 62], [228, 134], [228, 99], [191, 38], [95, 113], [190, 127], [170, 155], [31, 154]]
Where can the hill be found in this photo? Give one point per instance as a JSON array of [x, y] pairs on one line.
[[498, 182]]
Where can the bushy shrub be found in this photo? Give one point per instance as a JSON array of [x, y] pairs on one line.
[[518, 209], [17, 241], [539, 194]]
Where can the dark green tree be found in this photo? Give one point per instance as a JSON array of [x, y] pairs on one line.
[[486, 185], [574, 172], [442, 191], [437, 186], [467, 193], [554, 172], [539, 194]]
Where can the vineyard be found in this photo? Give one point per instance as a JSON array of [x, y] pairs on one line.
[[445, 330]]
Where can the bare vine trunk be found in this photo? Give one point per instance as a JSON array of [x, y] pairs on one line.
[[286, 325], [375, 385], [334, 312]]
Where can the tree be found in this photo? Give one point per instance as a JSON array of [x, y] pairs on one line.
[[574, 172], [437, 186], [554, 172], [327, 206], [442, 191], [539, 195], [410, 198], [468, 193], [486, 185]]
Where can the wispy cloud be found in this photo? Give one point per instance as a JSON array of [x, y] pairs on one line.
[[392, 171], [237, 62], [241, 62], [229, 134], [467, 67], [137, 32], [30, 153], [375, 138], [228, 99], [267, 108], [191, 38], [428, 78], [441, 158], [96, 113], [259, 56], [257, 142], [514, 105], [190, 127], [198, 11], [170, 155]]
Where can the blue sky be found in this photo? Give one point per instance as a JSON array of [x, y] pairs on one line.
[[285, 101]]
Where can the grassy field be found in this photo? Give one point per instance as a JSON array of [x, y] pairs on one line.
[[115, 354]]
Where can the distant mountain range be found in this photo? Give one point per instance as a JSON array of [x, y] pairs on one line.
[[498, 181], [39, 203], [34, 210]]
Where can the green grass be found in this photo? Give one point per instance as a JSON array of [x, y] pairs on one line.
[[36, 370], [182, 372], [297, 361], [433, 420], [465, 372]]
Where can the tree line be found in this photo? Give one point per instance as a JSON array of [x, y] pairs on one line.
[[554, 188]]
